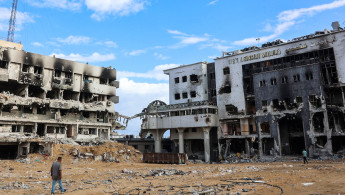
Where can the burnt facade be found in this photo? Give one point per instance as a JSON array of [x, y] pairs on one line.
[[44, 98], [290, 96], [274, 100]]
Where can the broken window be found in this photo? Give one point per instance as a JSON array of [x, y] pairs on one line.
[[28, 128], [264, 103], [192, 94], [284, 79], [273, 81], [226, 70], [86, 114], [184, 95], [41, 110], [296, 78], [16, 128], [177, 80], [103, 81], [38, 70], [57, 73], [28, 109], [225, 89], [278, 105], [3, 64], [7, 108], [309, 76], [68, 75], [299, 99], [262, 83], [231, 109], [184, 79], [315, 101], [265, 128], [193, 78], [92, 131], [100, 116], [25, 68], [63, 112], [318, 122], [177, 96], [50, 129]]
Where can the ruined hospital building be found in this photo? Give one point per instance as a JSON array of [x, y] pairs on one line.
[[273, 100], [43, 98]]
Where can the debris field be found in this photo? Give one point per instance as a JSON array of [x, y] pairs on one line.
[[114, 168]]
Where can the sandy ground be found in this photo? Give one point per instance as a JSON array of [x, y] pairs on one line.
[[93, 177]]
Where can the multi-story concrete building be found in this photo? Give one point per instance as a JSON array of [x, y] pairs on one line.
[[44, 97], [272, 100], [191, 116]]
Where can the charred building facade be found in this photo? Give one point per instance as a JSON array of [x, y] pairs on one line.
[[276, 99], [44, 98]]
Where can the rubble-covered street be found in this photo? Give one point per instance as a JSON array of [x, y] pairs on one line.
[[124, 174]]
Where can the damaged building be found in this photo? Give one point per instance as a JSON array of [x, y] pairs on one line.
[[273, 100], [43, 98]]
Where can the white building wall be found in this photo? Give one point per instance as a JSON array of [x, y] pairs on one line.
[[339, 51], [200, 87]]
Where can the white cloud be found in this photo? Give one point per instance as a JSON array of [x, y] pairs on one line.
[[37, 44], [61, 4], [74, 40], [95, 57], [21, 19], [111, 44], [156, 73], [287, 19], [213, 2], [192, 40], [102, 8], [137, 52], [176, 32], [161, 56]]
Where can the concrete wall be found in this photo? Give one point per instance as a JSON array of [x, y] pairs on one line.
[[199, 87]]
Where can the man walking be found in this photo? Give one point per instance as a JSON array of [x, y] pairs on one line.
[[304, 152], [56, 173]]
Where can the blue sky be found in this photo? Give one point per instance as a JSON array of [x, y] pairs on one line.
[[140, 38]]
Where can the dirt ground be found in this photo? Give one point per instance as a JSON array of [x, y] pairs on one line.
[[93, 177]]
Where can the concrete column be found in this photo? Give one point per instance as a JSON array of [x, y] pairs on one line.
[[247, 146], [34, 131], [328, 144], [180, 140], [207, 143], [157, 136], [259, 140]]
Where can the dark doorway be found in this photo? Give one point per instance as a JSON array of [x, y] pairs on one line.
[[338, 143], [237, 146], [40, 130], [214, 145], [291, 135], [8, 152]]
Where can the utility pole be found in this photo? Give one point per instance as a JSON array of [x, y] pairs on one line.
[[12, 23]]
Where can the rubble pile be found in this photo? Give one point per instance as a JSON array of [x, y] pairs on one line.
[[14, 186], [166, 172], [108, 152]]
